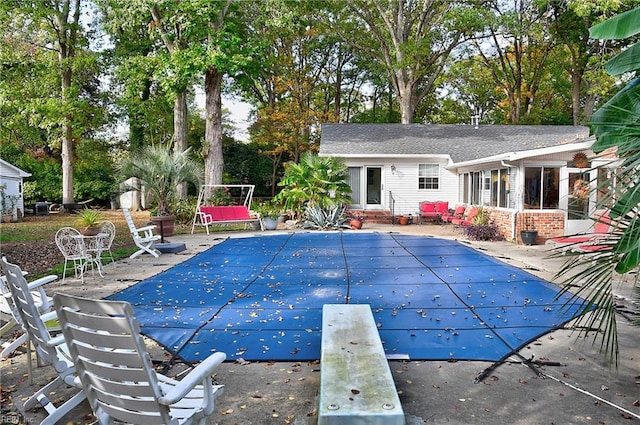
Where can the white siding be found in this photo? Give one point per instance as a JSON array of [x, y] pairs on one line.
[[12, 176], [403, 183]]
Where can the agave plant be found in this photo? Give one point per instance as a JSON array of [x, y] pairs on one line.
[[325, 218], [616, 126]]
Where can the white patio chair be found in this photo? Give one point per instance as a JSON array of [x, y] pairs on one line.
[[50, 350], [10, 314], [72, 246], [109, 229], [116, 372], [143, 237]]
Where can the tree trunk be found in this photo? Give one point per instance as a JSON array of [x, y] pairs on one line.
[[67, 36], [213, 160], [405, 99], [180, 126], [67, 138]]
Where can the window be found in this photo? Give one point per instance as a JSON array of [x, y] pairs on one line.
[[476, 188], [353, 180], [429, 176], [472, 187], [499, 187], [541, 185]]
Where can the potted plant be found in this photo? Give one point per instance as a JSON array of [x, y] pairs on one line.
[[269, 213], [403, 220], [529, 234], [355, 221], [156, 172], [90, 221]]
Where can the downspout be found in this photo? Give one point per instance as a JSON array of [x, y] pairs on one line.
[[515, 216]]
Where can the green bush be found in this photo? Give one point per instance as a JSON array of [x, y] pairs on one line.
[[315, 181]]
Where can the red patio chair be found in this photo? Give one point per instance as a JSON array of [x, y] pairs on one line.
[[467, 220], [601, 229], [457, 213]]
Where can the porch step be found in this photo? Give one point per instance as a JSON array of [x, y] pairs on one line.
[[376, 217]]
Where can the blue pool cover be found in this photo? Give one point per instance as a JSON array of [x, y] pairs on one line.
[[260, 298]]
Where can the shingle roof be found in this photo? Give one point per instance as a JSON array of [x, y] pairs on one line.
[[461, 142]]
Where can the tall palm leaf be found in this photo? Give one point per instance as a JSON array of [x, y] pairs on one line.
[[158, 171], [314, 181], [616, 126]]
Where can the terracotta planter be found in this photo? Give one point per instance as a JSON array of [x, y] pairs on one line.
[[91, 230], [355, 224], [403, 220], [164, 224]]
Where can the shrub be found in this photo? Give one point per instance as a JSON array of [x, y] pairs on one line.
[[483, 232], [184, 209]]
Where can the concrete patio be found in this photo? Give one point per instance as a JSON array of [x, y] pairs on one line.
[[575, 383]]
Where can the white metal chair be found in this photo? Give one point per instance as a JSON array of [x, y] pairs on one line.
[[50, 350], [116, 372], [10, 314], [143, 237], [109, 229], [72, 246]]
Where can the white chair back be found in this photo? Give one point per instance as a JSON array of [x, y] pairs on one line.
[[100, 333], [50, 350]]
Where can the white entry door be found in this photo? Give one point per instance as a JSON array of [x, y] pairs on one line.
[[576, 199], [374, 187]]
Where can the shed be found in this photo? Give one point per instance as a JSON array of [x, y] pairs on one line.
[[11, 182]]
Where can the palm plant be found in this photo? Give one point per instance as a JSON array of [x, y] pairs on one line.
[[616, 126], [314, 181], [157, 171]]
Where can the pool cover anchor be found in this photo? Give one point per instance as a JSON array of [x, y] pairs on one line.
[[527, 362]]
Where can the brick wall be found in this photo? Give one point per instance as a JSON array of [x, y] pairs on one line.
[[547, 224], [504, 219]]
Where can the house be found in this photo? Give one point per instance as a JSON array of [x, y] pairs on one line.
[[11, 182], [529, 177]]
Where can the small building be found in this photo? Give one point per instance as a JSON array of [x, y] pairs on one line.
[[529, 177], [11, 180]]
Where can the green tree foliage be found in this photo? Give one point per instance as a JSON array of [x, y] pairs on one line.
[[299, 83], [409, 40], [514, 47], [44, 46], [94, 172], [615, 126]]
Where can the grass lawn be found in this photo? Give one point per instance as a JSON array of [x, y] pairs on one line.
[[31, 242]]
